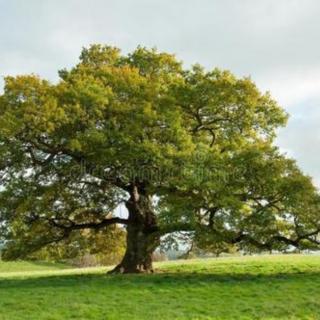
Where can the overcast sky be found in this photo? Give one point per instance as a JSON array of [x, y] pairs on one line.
[[276, 42]]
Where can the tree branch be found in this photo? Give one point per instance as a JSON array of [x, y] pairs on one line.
[[87, 225]]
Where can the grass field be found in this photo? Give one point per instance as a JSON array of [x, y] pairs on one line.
[[266, 287]]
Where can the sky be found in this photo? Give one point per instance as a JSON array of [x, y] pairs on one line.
[[276, 42]]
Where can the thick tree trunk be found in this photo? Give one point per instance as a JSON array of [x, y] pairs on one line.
[[138, 256], [142, 236]]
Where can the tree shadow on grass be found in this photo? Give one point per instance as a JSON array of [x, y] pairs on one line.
[[164, 279]]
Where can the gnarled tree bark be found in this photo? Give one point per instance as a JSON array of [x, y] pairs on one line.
[[142, 234]]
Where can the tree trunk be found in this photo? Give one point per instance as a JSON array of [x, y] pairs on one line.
[[142, 236]]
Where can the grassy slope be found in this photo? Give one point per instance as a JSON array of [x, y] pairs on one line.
[[269, 287]]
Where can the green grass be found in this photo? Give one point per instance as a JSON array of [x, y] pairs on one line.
[[26, 266], [266, 287]]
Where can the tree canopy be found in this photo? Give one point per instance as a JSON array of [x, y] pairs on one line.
[[184, 149]]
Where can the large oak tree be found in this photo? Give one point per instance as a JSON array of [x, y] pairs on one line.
[[184, 149]]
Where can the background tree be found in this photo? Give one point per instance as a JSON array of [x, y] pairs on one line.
[[184, 150], [87, 247]]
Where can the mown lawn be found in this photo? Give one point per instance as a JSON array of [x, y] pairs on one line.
[[267, 287], [26, 266]]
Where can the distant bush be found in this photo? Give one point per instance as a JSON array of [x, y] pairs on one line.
[[84, 248], [159, 256]]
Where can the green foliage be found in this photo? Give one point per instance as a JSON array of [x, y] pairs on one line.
[[82, 248], [198, 142]]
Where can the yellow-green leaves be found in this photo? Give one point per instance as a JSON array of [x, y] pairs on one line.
[[30, 104], [199, 141]]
